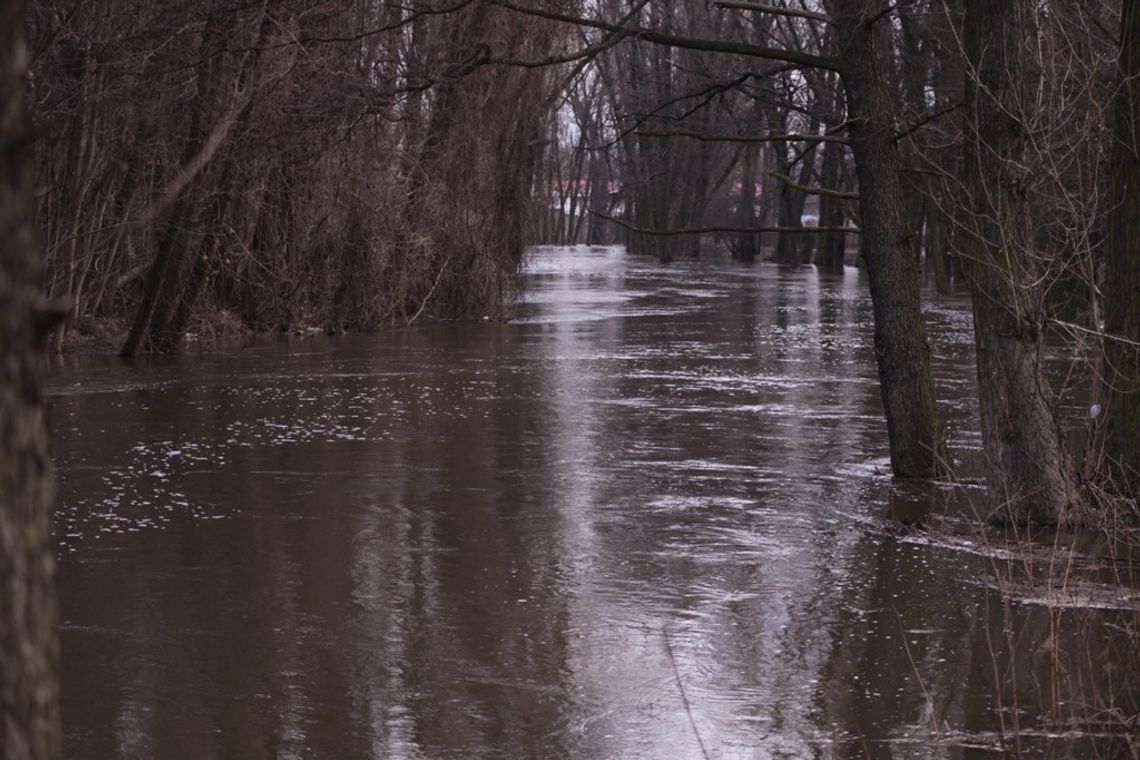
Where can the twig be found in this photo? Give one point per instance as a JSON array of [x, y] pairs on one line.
[[917, 674], [815, 190], [681, 689], [434, 285]]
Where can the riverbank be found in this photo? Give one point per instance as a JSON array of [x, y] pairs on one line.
[[106, 335]]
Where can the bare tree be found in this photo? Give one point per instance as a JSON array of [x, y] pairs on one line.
[[290, 164]]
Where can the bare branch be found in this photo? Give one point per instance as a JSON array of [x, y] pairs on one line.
[[929, 118], [804, 60], [814, 190], [739, 5], [194, 166], [714, 229], [583, 56], [710, 137], [888, 11]]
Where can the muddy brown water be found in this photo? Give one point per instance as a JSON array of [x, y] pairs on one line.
[[651, 517]]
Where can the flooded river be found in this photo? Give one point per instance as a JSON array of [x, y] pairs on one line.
[[651, 517]]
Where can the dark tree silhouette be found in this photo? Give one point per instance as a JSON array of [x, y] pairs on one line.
[[1122, 264], [29, 692]]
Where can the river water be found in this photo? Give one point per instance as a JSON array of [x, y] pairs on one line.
[[651, 517]]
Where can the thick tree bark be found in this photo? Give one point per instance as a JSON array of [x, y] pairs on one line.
[[1031, 477], [1122, 264], [901, 347], [29, 693], [914, 77]]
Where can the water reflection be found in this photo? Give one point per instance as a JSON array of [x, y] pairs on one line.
[[650, 516]]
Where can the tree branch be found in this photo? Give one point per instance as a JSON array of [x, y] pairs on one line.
[[814, 190], [803, 60], [929, 118], [710, 137], [195, 165], [586, 54], [711, 230], [887, 11], [739, 5]]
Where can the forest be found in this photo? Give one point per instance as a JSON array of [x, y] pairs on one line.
[[408, 187]]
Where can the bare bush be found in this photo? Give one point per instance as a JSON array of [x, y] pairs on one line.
[[294, 163]]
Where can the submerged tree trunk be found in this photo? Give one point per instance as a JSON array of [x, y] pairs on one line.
[[29, 694], [938, 247], [1031, 477], [1122, 265], [748, 243], [791, 204], [901, 347], [832, 245]]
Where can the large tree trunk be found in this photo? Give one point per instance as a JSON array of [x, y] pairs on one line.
[[1122, 264], [914, 77], [29, 653], [1030, 474], [901, 347]]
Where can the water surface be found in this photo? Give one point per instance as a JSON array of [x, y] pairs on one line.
[[651, 517]]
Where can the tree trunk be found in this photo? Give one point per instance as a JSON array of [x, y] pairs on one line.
[[185, 257], [791, 206], [938, 248], [1031, 478], [598, 233], [29, 652], [832, 245], [901, 347], [1122, 264], [914, 77], [162, 294], [748, 243]]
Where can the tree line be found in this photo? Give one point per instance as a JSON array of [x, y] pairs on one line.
[[291, 163]]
